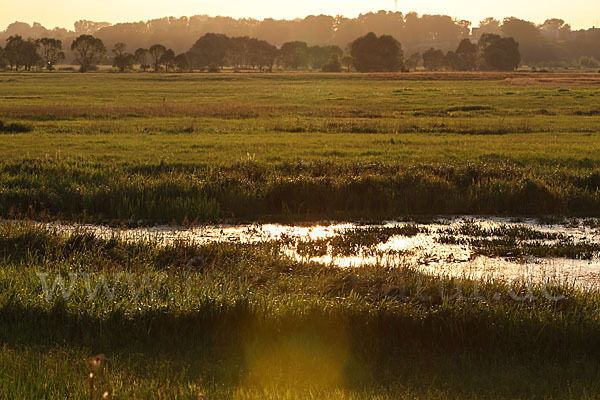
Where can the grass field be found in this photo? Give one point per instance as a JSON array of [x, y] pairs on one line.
[[162, 148], [231, 320]]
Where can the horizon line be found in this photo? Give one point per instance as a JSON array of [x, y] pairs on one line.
[[472, 23]]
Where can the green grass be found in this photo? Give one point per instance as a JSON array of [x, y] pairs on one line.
[[243, 321], [175, 148], [248, 322]]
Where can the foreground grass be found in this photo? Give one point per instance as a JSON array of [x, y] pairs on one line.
[[244, 321], [182, 148]]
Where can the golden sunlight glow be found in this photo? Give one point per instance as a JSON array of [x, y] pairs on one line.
[[579, 13]]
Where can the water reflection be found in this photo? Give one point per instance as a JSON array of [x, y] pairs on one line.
[[422, 250]]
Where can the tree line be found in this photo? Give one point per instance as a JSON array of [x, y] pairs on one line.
[[553, 43], [491, 53], [213, 52]]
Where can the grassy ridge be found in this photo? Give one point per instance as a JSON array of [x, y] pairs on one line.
[[253, 322]]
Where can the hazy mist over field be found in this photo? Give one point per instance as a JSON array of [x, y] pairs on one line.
[[62, 13]]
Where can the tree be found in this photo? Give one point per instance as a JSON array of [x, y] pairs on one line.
[[50, 51], [466, 54], [122, 60], [210, 49], [2, 59], [168, 59], [433, 60], [262, 54], [88, 51], [182, 62], [29, 54], [141, 57], [413, 61], [238, 51], [499, 53], [333, 65], [490, 25], [452, 61], [348, 62], [529, 38], [377, 54], [85, 27], [19, 52], [119, 48], [294, 55], [156, 52], [13, 51], [318, 56]]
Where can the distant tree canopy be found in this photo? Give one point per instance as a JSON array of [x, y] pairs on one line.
[[367, 53], [333, 65], [588, 62], [413, 61], [182, 62], [88, 51], [294, 54], [217, 50], [156, 52], [141, 57], [210, 49], [434, 60], [168, 59], [491, 53], [320, 56], [122, 60], [377, 54], [212, 52], [466, 56], [51, 52], [551, 43], [501, 54], [21, 53]]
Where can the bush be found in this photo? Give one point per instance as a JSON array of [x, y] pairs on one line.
[[14, 128], [377, 54], [213, 68], [589, 62], [333, 65]]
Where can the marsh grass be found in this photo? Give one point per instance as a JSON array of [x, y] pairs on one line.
[[351, 242], [249, 190], [254, 323], [518, 241], [231, 320]]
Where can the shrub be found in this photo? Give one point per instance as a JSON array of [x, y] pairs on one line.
[[589, 62], [333, 65], [14, 128]]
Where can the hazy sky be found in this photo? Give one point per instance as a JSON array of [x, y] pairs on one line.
[[580, 13]]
